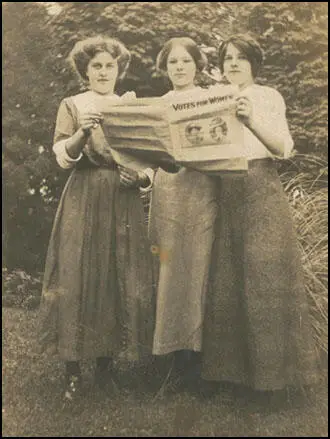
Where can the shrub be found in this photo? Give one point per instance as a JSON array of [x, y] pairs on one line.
[[20, 289]]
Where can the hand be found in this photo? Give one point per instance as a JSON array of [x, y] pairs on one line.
[[89, 120], [244, 109], [169, 167], [128, 177]]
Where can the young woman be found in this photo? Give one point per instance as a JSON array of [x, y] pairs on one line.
[[97, 291], [256, 326], [183, 210]]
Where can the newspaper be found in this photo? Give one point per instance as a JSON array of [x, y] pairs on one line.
[[197, 129]]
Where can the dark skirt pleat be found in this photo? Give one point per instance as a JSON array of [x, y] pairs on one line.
[[256, 329]]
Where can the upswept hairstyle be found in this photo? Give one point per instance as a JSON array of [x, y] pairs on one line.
[[85, 50], [191, 47], [248, 46]]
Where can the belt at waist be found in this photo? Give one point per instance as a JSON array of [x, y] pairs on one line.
[[85, 163], [254, 163]]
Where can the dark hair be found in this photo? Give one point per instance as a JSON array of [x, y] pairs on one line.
[[191, 127], [191, 47], [248, 46], [86, 50], [219, 123]]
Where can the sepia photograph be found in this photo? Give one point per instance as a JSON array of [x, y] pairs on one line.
[[165, 219]]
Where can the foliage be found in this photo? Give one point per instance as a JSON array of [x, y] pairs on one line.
[[32, 181], [36, 76], [143, 27], [294, 37], [20, 289]]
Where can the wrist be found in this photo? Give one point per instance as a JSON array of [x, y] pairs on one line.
[[70, 154], [75, 144], [250, 123], [84, 133]]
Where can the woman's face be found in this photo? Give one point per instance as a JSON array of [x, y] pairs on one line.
[[102, 73], [237, 67], [181, 68]]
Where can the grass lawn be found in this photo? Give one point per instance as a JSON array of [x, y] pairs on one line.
[[33, 405]]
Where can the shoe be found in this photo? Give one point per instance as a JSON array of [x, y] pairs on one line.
[[72, 387]]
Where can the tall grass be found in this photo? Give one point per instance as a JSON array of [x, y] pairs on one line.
[[306, 185]]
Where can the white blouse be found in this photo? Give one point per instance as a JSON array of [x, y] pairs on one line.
[[269, 108]]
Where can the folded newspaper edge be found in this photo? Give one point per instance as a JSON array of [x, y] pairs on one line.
[[197, 129]]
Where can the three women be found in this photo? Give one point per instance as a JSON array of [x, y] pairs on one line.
[[229, 278]]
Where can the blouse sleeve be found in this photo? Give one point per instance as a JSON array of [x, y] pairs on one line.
[[65, 128], [272, 112]]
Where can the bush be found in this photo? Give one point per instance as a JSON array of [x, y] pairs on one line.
[[20, 289]]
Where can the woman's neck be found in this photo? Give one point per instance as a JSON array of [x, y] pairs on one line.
[[108, 94], [246, 84], [185, 88]]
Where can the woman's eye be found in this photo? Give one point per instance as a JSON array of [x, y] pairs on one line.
[[172, 61]]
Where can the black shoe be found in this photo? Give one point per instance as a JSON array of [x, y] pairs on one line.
[[72, 387]]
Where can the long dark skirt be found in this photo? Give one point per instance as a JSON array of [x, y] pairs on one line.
[[256, 326], [97, 295]]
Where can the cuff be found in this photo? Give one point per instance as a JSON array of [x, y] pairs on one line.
[[62, 157], [151, 174], [288, 151]]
